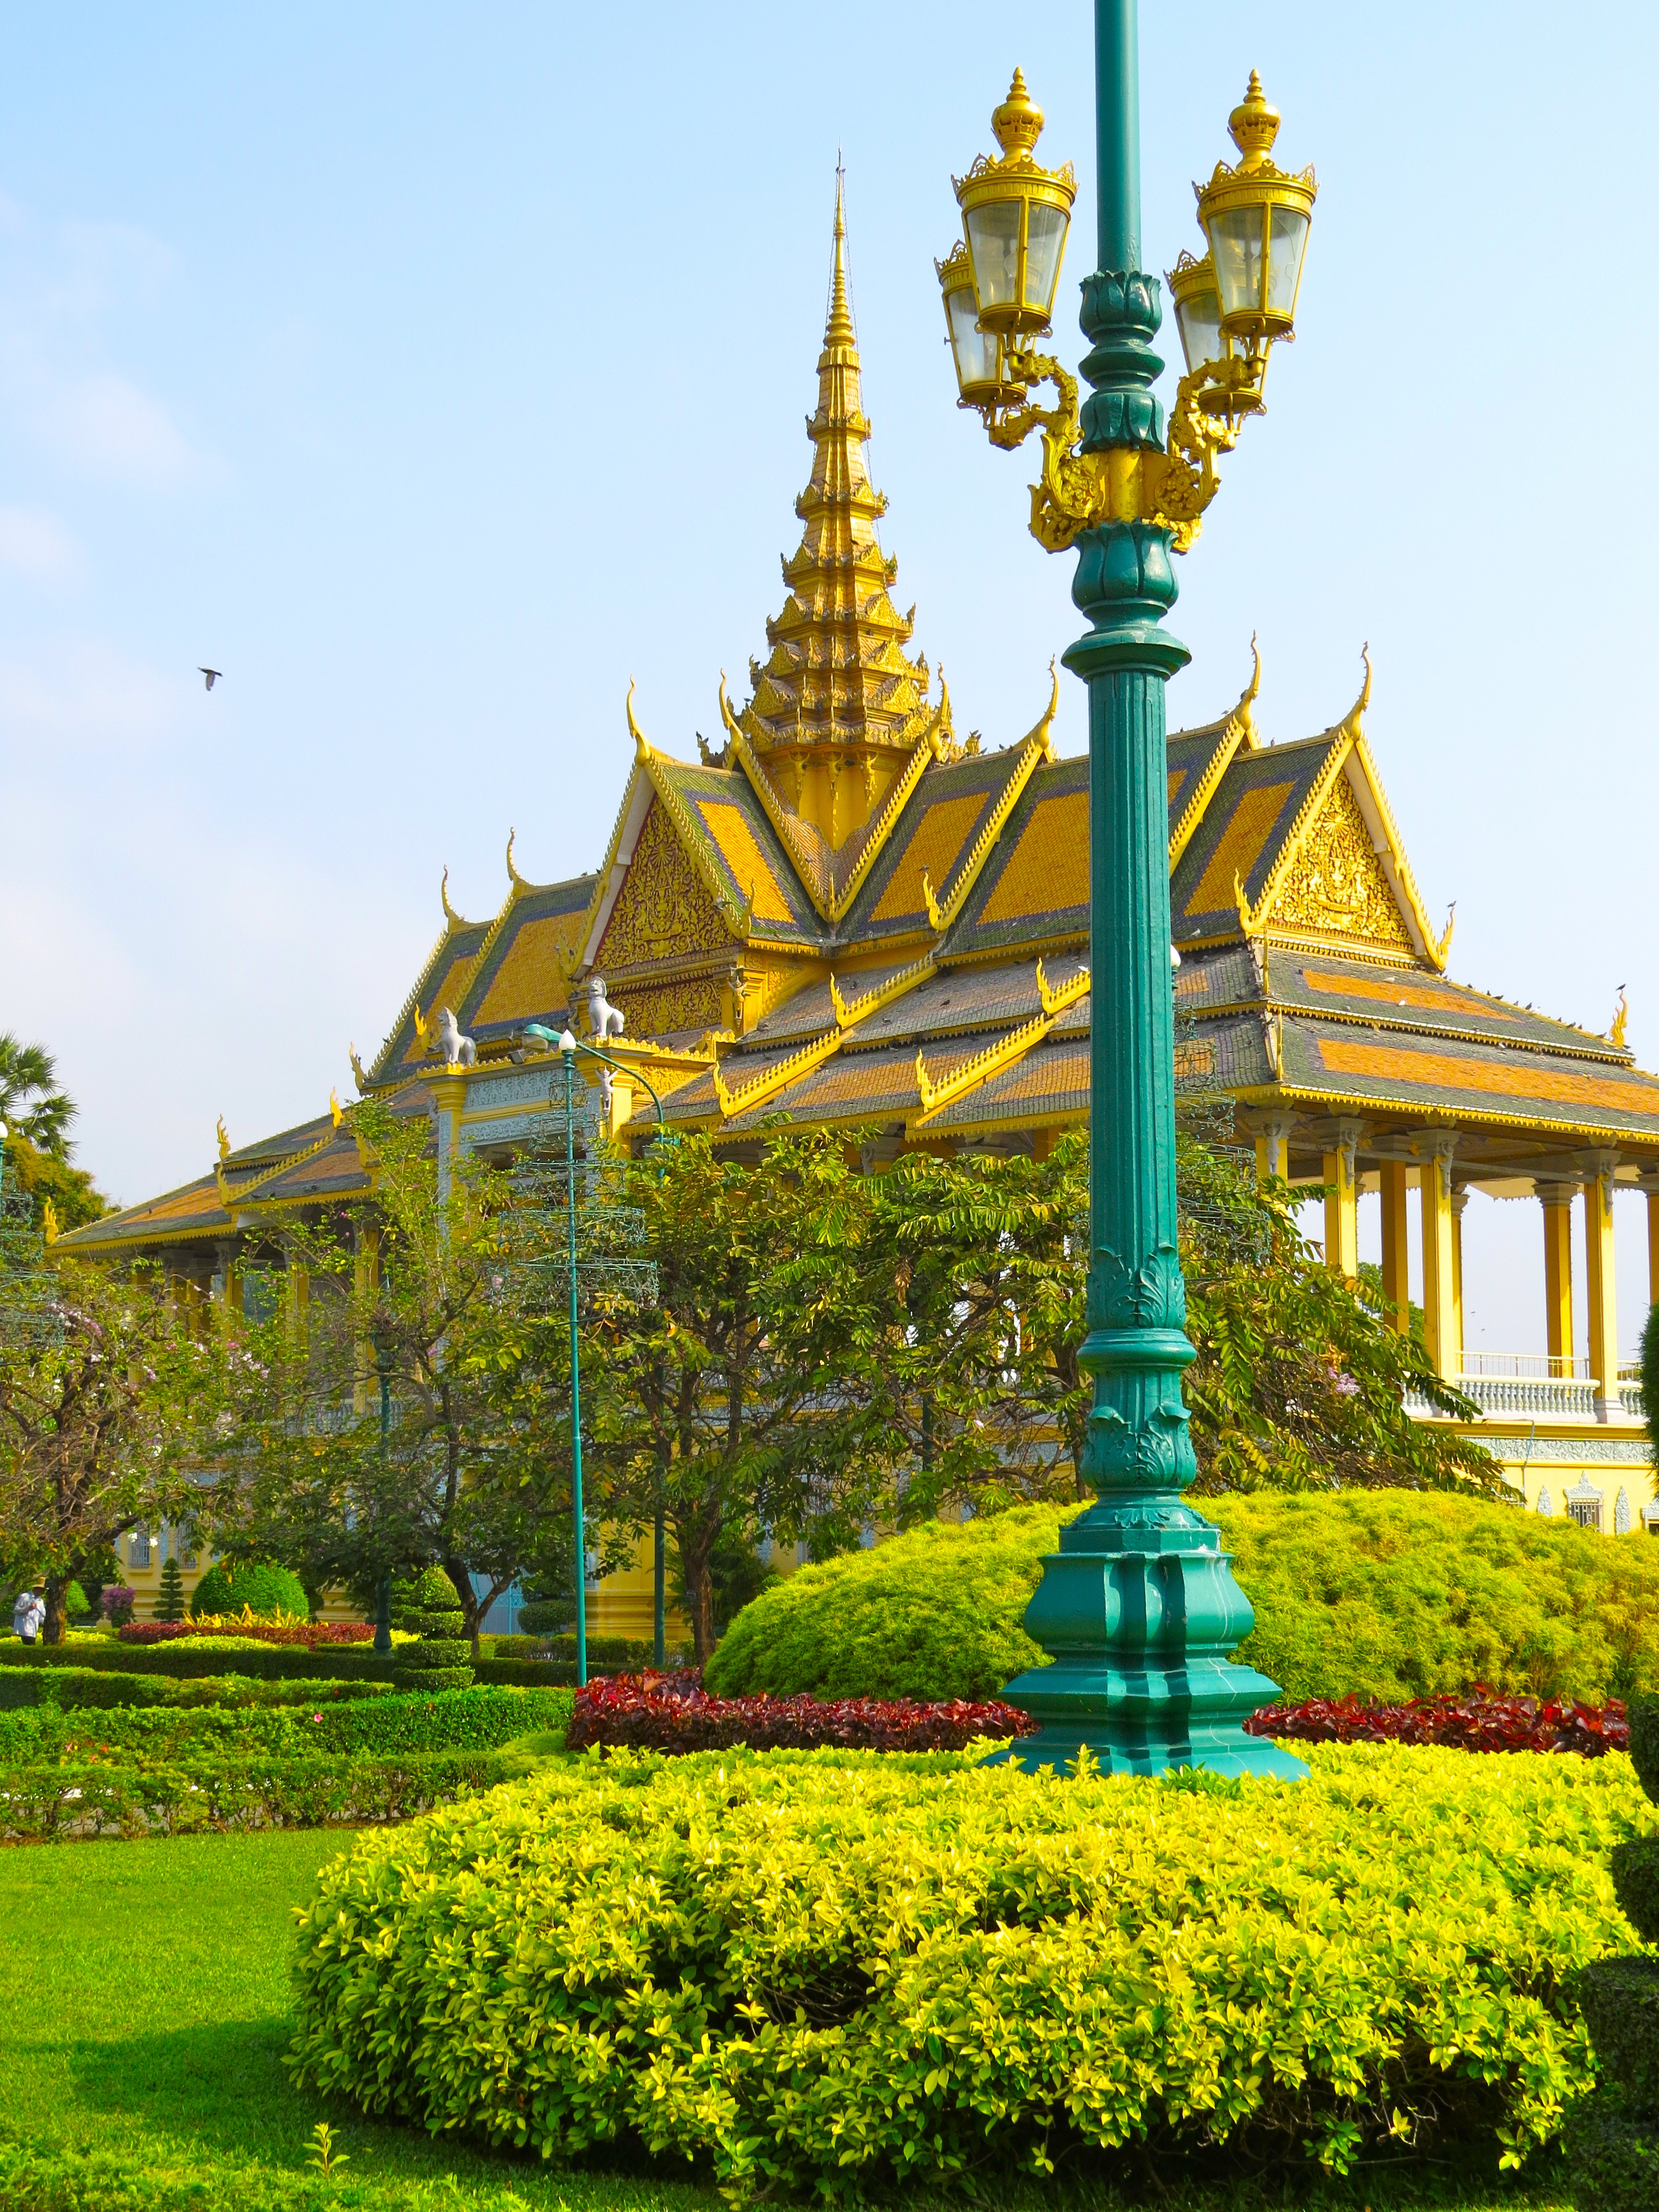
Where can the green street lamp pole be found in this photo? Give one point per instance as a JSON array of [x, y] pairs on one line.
[[1138, 1608], [383, 1591]]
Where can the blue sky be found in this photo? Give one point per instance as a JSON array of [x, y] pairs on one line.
[[433, 371]]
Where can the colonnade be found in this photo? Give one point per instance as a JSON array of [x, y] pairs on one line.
[[1431, 1156]]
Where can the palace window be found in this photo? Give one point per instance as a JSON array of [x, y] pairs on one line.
[[1585, 1504], [138, 1548]]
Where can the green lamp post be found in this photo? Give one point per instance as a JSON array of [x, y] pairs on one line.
[[1138, 1608]]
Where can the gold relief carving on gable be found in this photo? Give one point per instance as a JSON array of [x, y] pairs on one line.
[[663, 909], [694, 1003], [1336, 883]]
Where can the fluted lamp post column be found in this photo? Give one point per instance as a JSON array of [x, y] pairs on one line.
[[1138, 1608]]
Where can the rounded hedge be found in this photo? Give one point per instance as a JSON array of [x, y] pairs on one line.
[[263, 1590], [430, 1591], [1385, 1594], [828, 1974]]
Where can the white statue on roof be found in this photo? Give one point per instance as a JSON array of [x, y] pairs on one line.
[[458, 1050], [604, 1020]]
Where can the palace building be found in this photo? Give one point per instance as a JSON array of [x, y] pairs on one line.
[[846, 914]]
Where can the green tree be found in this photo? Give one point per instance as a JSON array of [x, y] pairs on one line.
[[473, 1470], [1300, 1378], [106, 1404], [170, 1601], [49, 1180], [750, 1396], [31, 1103]]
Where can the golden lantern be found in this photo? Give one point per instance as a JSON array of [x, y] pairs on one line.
[[1255, 217], [1233, 386], [981, 356], [1015, 215]]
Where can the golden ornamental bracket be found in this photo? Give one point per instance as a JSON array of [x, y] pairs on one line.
[[1616, 1034], [1054, 1002]]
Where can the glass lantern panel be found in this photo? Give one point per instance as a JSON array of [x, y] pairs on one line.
[[1045, 241], [1200, 322], [1287, 240], [1236, 249], [975, 351], [994, 242]]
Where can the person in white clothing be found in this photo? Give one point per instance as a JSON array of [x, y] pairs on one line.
[[28, 1614]]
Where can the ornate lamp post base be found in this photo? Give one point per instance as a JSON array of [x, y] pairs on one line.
[[1139, 1608]]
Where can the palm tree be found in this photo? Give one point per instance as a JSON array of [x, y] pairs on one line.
[[28, 1074]]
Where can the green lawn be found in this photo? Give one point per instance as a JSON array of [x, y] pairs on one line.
[[146, 2011]]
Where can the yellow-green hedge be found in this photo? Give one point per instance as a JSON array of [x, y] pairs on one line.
[[1389, 1593], [831, 1971]]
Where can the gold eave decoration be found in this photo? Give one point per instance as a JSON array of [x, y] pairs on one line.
[[763, 1087], [1037, 745], [849, 1011], [453, 923], [1238, 729], [970, 1073], [1254, 920], [1054, 1002]]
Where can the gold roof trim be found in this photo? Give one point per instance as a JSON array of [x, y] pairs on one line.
[[929, 746], [1055, 1002], [1467, 1117], [814, 872], [970, 1073], [778, 1078], [1239, 727], [452, 924], [849, 1011], [1037, 745]]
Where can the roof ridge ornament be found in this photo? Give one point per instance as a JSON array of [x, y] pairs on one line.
[[1621, 1015], [224, 1140], [1247, 698], [454, 920], [517, 881], [1353, 722], [641, 743]]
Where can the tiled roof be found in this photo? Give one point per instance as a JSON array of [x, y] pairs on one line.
[[933, 835], [742, 846], [1476, 1081], [1407, 997], [1035, 887], [442, 983], [192, 1210], [522, 975], [1240, 838]]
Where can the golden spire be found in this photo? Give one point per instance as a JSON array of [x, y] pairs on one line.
[[838, 706]]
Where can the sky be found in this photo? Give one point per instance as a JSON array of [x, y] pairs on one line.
[[434, 371]]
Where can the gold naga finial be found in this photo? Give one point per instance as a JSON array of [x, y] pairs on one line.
[[1353, 719], [422, 1027], [641, 743], [49, 1221], [337, 1112], [1045, 726], [935, 912], [454, 920], [726, 715], [358, 1073], [1444, 946], [1621, 1015], [224, 1140], [1247, 698], [512, 875]]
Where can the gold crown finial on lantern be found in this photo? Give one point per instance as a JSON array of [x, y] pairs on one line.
[[1019, 122], [1254, 124]]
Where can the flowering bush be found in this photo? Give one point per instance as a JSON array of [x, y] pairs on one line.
[[665, 1712], [288, 1629], [116, 1600], [1477, 1720]]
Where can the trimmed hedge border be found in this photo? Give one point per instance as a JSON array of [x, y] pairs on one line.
[[97, 1689], [270, 1664], [74, 1804]]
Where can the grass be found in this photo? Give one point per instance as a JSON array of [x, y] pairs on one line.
[[147, 2012]]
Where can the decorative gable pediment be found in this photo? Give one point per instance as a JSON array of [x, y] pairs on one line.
[[663, 910], [1334, 884]]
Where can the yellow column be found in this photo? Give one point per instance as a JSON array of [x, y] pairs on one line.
[[1603, 1312], [1556, 1199], [1342, 1204], [1459, 1204], [1396, 1251], [1439, 1302], [1650, 1184], [1272, 1146], [449, 1099]]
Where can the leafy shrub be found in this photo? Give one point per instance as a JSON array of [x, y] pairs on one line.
[[98, 1689], [253, 1586], [170, 1602], [1473, 1720], [430, 1591], [247, 1627], [379, 1724], [71, 1803], [649, 1715], [1387, 1595], [440, 1657], [544, 1615], [116, 1601], [825, 1972], [76, 1606], [528, 1673], [205, 1655]]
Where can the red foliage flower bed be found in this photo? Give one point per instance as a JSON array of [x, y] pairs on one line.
[[310, 1633], [1474, 1720], [655, 1713]]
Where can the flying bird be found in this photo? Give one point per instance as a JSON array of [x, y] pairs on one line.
[[212, 675]]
